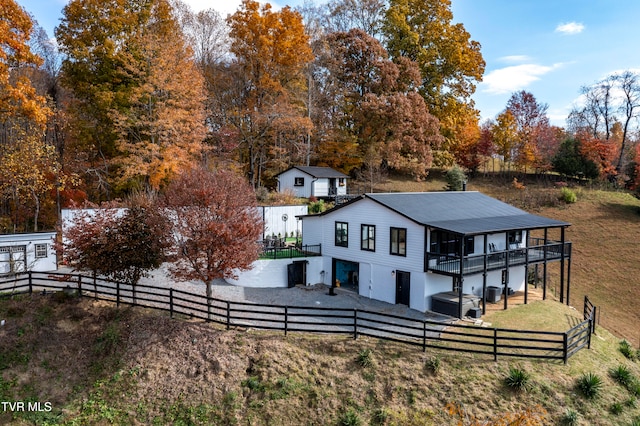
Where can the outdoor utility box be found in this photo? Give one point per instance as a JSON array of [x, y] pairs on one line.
[[494, 294], [474, 313]]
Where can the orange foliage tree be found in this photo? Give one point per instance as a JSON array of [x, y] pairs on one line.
[[271, 52], [137, 111]]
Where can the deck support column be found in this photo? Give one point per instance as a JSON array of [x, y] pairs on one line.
[[505, 272], [461, 277], [544, 266], [526, 268], [562, 265], [484, 275]]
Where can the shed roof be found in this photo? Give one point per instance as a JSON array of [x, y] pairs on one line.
[[318, 172], [466, 212]]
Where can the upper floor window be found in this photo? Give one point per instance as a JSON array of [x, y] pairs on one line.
[[398, 241], [41, 251], [368, 240], [515, 237], [342, 234], [299, 181], [448, 243]]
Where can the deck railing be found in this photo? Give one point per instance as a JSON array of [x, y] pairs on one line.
[[476, 263], [290, 252], [423, 333]]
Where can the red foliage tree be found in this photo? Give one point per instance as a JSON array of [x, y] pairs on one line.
[[215, 225], [120, 244]]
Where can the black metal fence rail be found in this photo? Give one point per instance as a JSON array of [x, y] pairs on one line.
[[590, 311], [494, 342]]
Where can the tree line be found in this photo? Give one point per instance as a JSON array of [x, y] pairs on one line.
[[132, 93]]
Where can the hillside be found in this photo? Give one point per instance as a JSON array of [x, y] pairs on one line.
[[93, 363], [97, 364]]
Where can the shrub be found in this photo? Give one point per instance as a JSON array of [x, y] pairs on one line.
[[433, 364], [350, 418], [617, 408], [590, 385], [455, 178], [365, 358], [622, 375], [517, 379], [627, 350], [570, 417], [568, 196], [380, 416]]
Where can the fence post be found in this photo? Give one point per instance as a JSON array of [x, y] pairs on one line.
[[424, 335], [593, 319], [171, 303], [495, 344], [118, 294], [286, 319], [355, 324], [565, 344], [590, 331], [228, 315], [30, 284], [80, 285]]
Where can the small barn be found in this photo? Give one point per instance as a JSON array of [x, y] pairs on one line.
[[313, 181], [27, 252]]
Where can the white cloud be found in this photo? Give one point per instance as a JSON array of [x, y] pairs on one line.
[[570, 28], [515, 58], [514, 78]]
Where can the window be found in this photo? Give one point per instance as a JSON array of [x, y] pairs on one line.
[[299, 181], [342, 234], [515, 237], [368, 235], [443, 242], [341, 182], [41, 251], [398, 241]]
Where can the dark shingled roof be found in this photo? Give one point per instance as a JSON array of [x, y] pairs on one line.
[[319, 172], [462, 212]]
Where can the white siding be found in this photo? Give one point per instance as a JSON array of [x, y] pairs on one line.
[[286, 181], [376, 279], [320, 188], [272, 273], [29, 243]]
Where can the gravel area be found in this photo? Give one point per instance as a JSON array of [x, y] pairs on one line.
[[315, 295]]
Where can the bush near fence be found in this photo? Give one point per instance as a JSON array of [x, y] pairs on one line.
[[493, 342]]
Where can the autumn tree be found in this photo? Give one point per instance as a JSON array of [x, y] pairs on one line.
[[18, 97], [450, 62], [611, 104], [121, 244], [29, 165], [504, 135], [215, 226], [271, 52], [138, 110], [532, 127], [375, 108], [345, 15]]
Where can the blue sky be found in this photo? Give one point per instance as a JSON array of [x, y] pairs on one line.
[[548, 47]]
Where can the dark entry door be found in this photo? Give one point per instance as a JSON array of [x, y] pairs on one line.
[[296, 273], [403, 287]]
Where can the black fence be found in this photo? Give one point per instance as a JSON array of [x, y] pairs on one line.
[[591, 312], [494, 342]]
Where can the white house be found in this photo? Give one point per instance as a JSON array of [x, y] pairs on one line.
[[312, 181], [27, 252], [408, 248]]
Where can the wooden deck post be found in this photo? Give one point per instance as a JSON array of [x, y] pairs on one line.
[[562, 265]]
